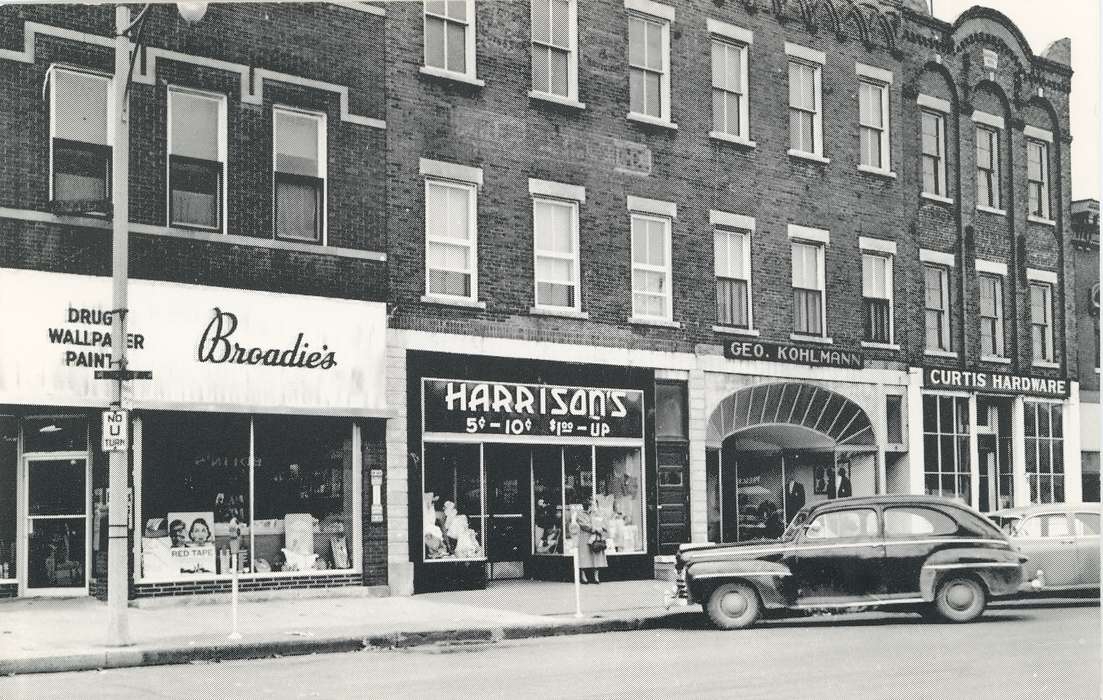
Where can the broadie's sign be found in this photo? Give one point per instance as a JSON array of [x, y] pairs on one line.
[[505, 408], [993, 383], [793, 354]]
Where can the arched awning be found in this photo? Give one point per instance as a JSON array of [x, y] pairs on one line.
[[805, 406]]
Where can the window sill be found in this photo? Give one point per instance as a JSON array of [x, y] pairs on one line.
[[556, 99], [999, 359], [876, 171], [449, 75], [1046, 365], [880, 346], [180, 225], [651, 121], [452, 301], [662, 323], [822, 339], [272, 243], [729, 138], [552, 311], [732, 330], [929, 352], [804, 155], [992, 210], [936, 198], [1039, 220]]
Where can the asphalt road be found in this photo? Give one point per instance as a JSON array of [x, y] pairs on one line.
[[1024, 649]]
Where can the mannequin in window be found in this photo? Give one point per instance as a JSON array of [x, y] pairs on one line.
[[794, 498], [844, 483]]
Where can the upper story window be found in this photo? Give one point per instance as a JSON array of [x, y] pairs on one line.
[[450, 36], [936, 282], [299, 177], [1037, 178], [877, 296], [934, 153], [197, 159], [991, 314], [451, 250], [988, 160], [651, 268], [555, 48], [1041, 317], [732, 252], [805, 106], [873, 117], [80, 138], [649, 59], [809, 298], [730, 103], [555, 244]]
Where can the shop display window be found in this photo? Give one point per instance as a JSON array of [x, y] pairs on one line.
[[1045, 463], [453, 521], [946, 444], [9, 466], [618, 497], [578, 485], [547, 499]]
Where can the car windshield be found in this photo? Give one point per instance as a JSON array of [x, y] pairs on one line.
[[794, 527]]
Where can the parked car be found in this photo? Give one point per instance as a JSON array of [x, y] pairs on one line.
[[916, 553], [1060, 539]]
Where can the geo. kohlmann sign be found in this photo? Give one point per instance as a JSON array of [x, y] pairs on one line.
[[794, 354]]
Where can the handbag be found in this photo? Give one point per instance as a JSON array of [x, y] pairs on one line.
[[597, 544]]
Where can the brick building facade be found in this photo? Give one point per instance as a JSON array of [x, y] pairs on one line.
[[1084, 250]]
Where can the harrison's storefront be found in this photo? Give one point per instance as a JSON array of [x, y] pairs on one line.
[[265, 408], [503, 451]]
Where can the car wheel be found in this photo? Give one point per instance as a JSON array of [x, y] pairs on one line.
[[734, 606], [960, 599]]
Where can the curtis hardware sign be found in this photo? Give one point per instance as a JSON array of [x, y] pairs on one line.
[[793, 354], [992, 383], [504, 408]]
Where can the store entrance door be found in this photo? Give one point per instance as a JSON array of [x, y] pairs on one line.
[[508, 471], [673, 497], [55, 497]]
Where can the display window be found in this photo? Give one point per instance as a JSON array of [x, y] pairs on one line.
[[9, 466], [284, 484], [453, 499]]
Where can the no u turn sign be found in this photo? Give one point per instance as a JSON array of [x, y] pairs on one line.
[[116, 430]]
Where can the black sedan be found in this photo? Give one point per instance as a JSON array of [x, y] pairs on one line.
[[917, 553]]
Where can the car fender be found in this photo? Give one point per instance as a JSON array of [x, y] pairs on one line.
[[766, 577], [1000, 570]]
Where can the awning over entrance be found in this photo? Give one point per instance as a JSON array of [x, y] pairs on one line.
[[792, 408]]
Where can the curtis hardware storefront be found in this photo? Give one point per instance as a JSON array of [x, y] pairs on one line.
[[503, 451], [263, 407]]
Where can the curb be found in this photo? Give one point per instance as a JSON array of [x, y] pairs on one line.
[[223, 651]]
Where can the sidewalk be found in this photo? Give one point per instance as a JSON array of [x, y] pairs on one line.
[[43, 635]]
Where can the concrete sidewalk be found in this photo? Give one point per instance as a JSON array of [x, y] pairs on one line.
[[44, 635]]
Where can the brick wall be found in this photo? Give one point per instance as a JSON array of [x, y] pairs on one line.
[[246, 584]]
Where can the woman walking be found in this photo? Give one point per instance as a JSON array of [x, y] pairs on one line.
[[588, 530]]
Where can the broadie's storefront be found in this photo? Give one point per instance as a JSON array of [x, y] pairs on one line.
[[504, 464], [995, 440], [262, 407]]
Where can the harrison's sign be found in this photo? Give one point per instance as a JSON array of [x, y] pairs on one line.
[[992, 383], [505, 408], [793, 354]]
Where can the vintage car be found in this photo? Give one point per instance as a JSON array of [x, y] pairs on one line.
[[915, 553], [1060, 539]]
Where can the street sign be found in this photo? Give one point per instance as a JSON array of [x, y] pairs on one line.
[[123, 374], [116, 430]]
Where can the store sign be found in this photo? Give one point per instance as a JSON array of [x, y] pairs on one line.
[[210, 347], [503, 408], [794, 354], [116, 434], [992, 383]]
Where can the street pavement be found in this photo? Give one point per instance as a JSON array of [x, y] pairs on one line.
[[1038, 648]]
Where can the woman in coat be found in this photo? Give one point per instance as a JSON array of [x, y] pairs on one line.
[[585, 524]]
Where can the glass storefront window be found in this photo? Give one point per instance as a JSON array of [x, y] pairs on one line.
[[547, 499], [578, 484], [55, 434], [618, 497], [946, 445], [453, 519], [1045, 463], [9, 436]]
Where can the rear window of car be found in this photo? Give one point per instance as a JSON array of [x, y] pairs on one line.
[[911, 522], [844, 523], [1054, 525], [1087, 524]]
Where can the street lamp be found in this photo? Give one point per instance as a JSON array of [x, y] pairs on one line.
[[118, 576]]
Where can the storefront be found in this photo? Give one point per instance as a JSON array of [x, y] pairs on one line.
[[509, 451], [264, 414], [997, 440]]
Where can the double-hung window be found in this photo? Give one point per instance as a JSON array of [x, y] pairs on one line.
[[808, 285], [988, 167], [197, 159], [805, 102], [80, 138], [936, 282], [873, 117], [651, 268], [732, 250], [877, 296], [450, 36], [554, 48], [1037, 178], [649, 59], [991, 315], [450, 239], [299, 174], [934, 153], [730, 103], [1041, 321], [555, 245]]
